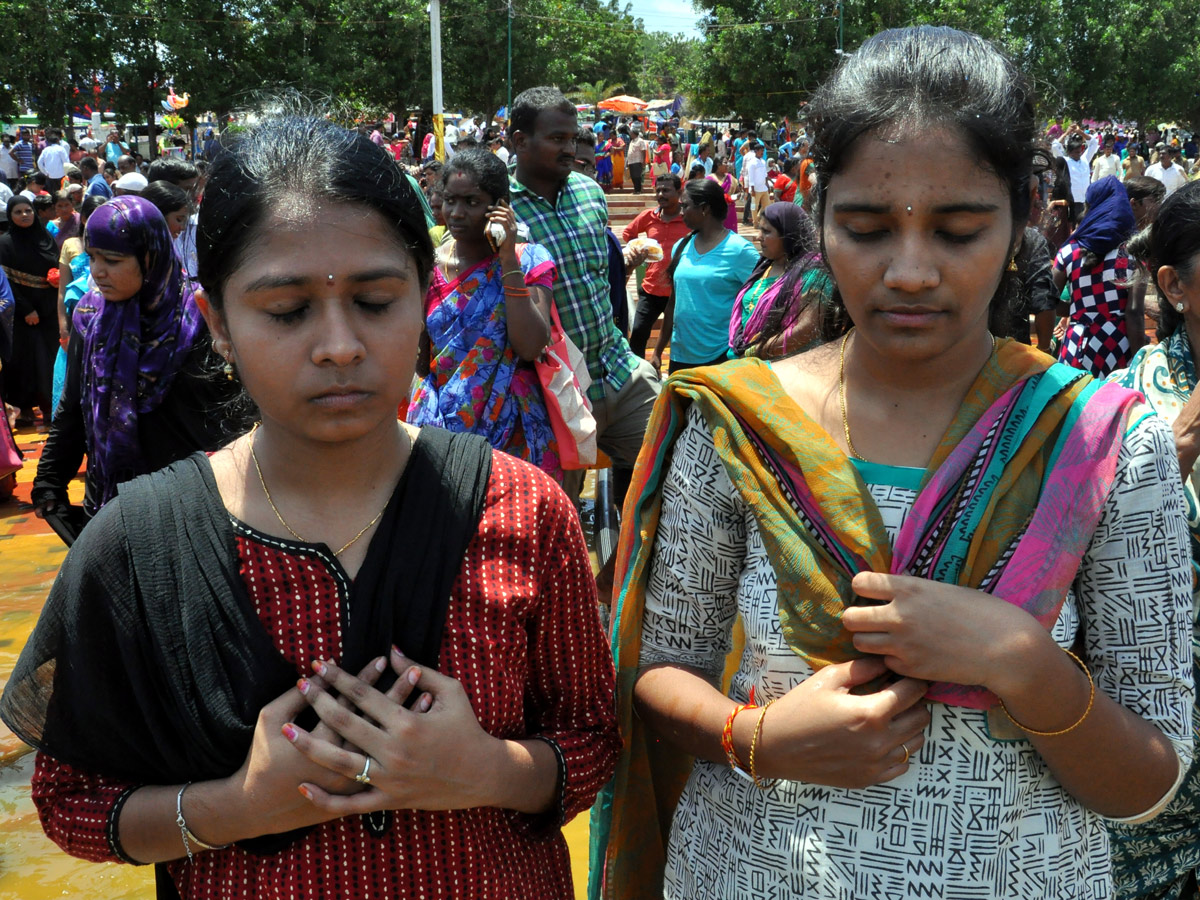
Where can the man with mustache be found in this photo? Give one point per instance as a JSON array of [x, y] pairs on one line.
[[566, 212]]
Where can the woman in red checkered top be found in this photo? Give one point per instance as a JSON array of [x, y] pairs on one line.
[[1094, 264]]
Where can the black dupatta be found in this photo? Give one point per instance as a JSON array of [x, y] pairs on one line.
[[149, 664]]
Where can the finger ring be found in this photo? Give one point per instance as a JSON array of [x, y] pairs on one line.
[[364, 777], [903, 747]]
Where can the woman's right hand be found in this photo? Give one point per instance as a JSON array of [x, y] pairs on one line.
[[822, 733], [266, 787], [502, 214]]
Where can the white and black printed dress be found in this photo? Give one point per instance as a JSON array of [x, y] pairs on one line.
[[973, 817]]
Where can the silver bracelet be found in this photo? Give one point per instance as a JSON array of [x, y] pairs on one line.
[[186, 833]]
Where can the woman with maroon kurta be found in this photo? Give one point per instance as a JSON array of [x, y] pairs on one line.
[[341, 657]]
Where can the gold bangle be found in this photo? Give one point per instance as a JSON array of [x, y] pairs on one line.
[[1070, 728], [513, 272], [754, 745]]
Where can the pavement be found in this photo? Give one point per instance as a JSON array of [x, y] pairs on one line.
[[30, 554]]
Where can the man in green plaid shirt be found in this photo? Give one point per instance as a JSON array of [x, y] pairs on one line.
[[567, 214]]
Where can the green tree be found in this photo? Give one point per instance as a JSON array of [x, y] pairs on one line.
[[760, 58], [1088, 58], [594, 92], [64, 47], [666, 64]]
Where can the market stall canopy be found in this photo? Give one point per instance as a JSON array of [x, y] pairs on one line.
[[622, 103], [667, 107]]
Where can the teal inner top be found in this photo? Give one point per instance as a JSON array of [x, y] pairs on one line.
[[892, 476]]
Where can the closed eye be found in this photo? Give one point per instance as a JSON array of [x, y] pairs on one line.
[[373, 306], [864, 237], [290, 316], [952, 238]]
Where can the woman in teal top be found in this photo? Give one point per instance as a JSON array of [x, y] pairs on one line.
[[786, 237], [707, 274]]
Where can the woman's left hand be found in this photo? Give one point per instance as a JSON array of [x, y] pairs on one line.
[[503, 214], [942, 632], [433, 757]]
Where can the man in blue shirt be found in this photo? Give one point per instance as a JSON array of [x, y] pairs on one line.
[[737, 152], [96, 185], [741, 149], [23, 152]]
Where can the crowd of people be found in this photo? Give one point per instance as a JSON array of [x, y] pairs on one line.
[[903, 605], [48, 194]]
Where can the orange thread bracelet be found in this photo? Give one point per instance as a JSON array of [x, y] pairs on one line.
[[727, 736]]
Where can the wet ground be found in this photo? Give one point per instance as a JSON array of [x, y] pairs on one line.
[[31, 867]]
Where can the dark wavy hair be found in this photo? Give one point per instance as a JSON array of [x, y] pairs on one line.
[[299, 156], [172, 169], [90, 204], [707, 193], [1173, 239], [167, 197], [530, 103], [485, 167], [928, 77]]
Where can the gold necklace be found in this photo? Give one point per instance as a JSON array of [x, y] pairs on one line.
[[842, 392], [346, 546], [841, 398]]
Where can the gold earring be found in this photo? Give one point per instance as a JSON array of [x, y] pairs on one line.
[[228, 370], [1012, 264]]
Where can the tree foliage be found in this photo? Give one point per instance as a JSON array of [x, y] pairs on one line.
[[593, 92], [1102, 59], [666, 64], [369, 55]]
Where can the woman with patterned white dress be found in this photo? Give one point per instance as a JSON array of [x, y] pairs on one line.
[[962, 657]]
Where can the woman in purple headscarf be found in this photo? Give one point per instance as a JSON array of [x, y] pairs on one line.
[[141, 389]]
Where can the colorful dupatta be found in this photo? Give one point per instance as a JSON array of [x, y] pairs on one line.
[[1008, 505], [476, 382]]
